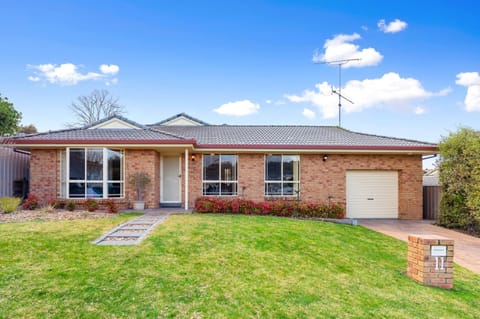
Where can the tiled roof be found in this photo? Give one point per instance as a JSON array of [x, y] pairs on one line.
[[325, 136], [104, 135], [228, 136]]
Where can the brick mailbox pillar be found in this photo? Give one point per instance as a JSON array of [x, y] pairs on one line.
[[430, 260]]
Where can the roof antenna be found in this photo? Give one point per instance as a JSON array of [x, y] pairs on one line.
[[339, 91]]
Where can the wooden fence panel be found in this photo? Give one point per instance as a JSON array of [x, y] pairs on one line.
[[13, 167], [431, 202]]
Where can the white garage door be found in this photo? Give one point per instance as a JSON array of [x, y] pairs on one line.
[[372, 194]]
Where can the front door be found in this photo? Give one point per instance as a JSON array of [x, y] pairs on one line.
[[170, 181]]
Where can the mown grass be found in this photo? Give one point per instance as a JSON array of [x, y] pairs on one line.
[[216, 266]]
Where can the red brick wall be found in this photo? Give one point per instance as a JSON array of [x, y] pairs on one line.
[[319, 179], [45, 173], [147, 161]]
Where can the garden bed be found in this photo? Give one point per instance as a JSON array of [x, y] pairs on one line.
[[29, 215]]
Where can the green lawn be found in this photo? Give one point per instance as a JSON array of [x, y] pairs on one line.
[[214, 266]]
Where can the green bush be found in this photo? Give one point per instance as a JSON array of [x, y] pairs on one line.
[[71, 205], [460, 180], [9, 204]]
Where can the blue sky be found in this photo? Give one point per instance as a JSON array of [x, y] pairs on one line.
[[249, 62]]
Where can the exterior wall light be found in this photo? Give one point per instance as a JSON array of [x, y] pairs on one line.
[[325, 157], [193, 158]]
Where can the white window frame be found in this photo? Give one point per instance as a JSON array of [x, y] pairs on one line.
[[281, 181], [104, 180], [219, 181]]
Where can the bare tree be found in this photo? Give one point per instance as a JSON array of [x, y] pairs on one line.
[[94, 107]]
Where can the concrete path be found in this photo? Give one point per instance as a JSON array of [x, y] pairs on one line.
[[467, 248], [137, 229]]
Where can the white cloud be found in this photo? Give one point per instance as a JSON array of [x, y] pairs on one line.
[[341, 48], [389, 91], [472, 81], [268, 101], [419, 110], [238, 108], [34, 78], [109, 69], [309, 114], [69, 73], [392, 27]]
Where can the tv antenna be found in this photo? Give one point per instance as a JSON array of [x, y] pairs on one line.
[[339, 91]]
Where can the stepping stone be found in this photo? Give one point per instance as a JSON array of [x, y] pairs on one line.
[[131, 232]]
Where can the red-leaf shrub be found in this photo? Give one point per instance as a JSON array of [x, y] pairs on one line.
[[221, 205], [112, 207], [90, 204], [31, 202]]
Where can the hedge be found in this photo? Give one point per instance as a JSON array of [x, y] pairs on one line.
[[222, 205]]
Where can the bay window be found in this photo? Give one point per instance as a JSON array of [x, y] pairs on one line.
[[282, 175], [94, 173], [219, 177]]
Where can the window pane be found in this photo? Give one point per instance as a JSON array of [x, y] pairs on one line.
[[273, 188], [115, 171], [229, 167], [291, 167], [289, 189], [273, 170], [115, 190], [94, 164], [211, 189], [77, 164], [211, 167], [229, 188], [76, 189], [94, 190]]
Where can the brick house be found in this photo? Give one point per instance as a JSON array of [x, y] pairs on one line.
[[371, 176]]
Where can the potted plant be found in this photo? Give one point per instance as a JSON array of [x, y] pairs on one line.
[[139, 181]]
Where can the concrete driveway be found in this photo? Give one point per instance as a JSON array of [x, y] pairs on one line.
[[467, 248]]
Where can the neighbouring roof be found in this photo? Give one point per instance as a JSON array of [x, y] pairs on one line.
[[181, 119], [227, 137]]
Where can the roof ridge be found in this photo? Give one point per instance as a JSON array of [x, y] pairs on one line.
[[166, 133]]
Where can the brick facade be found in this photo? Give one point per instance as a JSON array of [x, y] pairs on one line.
[[319, 179], [45, 173]]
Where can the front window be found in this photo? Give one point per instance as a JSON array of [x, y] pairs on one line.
[[282, 175], [94, 173], [220, 175]]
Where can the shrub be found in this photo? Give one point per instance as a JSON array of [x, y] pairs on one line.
[[31, 202], [9, 204], [90, 204], [276, 208], [112, 207], [54, 203], [48, 209], [71, 205]]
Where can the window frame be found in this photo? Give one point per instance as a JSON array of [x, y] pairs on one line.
[[281, 181], [219, 181], [104, 181]]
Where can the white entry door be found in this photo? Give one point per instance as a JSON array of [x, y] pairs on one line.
[[170, 176], [372, 194]]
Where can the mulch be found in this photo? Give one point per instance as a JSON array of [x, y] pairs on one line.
[[38, 215]]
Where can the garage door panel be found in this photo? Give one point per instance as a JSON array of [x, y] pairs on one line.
[[372, 194]]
